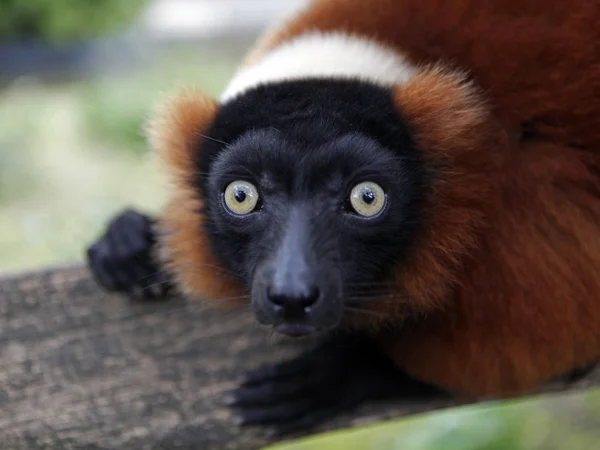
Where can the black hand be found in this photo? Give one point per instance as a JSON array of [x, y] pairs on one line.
[[122, 259], [299, 394]]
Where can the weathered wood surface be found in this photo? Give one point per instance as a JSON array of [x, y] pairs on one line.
[[81, 369]]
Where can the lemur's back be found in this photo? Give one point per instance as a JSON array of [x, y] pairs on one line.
[[538, 60]]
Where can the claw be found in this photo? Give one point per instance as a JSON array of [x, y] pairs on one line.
[[229, 399]]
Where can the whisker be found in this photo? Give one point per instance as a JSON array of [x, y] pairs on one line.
[[375, 301], [222, 299], [382, 290], [213, 139], [366, 312], [367, 289], [372, 283], [198, 267], [374, 296], [251, 173]]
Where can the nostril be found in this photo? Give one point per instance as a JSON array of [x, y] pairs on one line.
[[292, 299], [311, 298]]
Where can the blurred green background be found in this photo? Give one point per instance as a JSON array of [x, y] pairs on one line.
[[72, 154]]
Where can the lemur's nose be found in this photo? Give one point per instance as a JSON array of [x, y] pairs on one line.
[[293, 300]]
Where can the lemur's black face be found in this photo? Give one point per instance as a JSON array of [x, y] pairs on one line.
[[310, 205]]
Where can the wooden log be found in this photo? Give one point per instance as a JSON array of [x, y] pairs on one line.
[[82, 369]]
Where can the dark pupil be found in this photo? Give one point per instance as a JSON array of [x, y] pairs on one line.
[[368, 197], [240, 196]]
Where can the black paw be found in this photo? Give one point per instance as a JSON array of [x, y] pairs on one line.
[[122, 259], [302, 393]]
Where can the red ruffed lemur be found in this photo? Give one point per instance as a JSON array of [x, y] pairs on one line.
[[416, 180]]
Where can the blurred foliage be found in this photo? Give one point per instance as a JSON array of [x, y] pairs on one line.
[[72, 154], [59, 21], [115, 111], [568, 421]]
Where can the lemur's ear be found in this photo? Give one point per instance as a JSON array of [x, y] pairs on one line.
[[175, 128], [461, 144], [444, 108], [175, 132]]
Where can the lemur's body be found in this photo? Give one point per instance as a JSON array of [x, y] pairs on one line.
[[477, 125]]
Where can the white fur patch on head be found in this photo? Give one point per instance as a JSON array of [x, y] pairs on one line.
[[323, 55]]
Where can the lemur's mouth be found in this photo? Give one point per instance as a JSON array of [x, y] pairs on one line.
[[295, 329]]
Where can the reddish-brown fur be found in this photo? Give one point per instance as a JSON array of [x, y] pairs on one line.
[[175, 132], [506, 267]]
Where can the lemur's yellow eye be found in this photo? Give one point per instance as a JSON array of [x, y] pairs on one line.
[[241, 197], [367, 199]]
